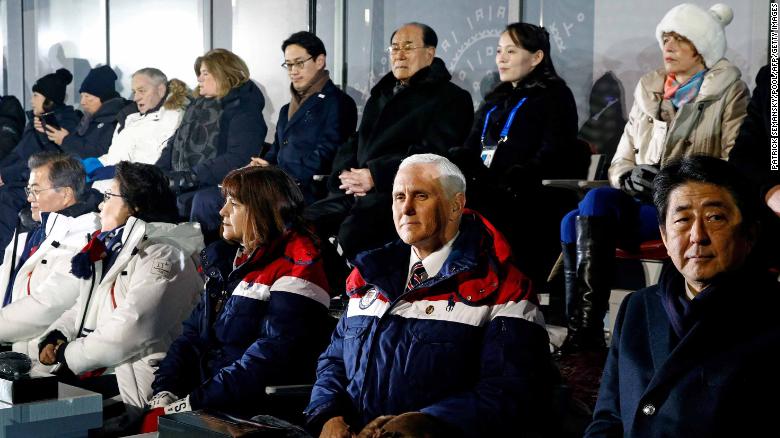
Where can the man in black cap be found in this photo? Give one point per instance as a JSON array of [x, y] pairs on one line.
[[101, 105]]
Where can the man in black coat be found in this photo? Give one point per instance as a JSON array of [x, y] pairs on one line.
[[752, 155], [414, 109], [11, 124], [685, 361]]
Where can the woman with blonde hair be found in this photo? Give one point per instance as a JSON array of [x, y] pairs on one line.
[[221, 130]]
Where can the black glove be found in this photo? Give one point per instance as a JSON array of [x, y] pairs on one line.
[[181, 181], [639, 182]]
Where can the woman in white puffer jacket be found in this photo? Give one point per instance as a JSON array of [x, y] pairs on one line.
[[139, 280]]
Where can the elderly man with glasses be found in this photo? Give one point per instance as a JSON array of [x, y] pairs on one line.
[[413, 109], [318, 119], [36, 266]]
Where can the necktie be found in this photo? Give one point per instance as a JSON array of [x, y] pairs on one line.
[[418, 276]]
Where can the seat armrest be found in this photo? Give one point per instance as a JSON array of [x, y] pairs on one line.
[[289, 390], [587, 185]]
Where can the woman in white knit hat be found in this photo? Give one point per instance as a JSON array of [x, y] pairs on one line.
[[694, 105]]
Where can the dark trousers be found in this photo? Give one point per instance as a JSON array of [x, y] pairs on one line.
[[202, 206], [359, 223]]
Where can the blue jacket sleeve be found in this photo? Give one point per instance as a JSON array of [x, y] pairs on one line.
[[289, 324], [94, 143], [245, 137], [606, 417], [515, 378], [340, 122], [329, 395], [179, 369]]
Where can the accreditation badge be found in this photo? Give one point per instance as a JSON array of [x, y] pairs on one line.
[[487, 154]]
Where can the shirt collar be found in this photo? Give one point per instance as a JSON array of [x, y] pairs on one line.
[[435, 260]]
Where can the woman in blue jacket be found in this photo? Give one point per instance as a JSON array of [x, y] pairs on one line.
[[219, 132], [262, 319]]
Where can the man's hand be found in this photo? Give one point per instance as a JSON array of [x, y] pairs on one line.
[[356, 182], [48, 355], [407, 425], [375, 429], [773, 199], [38, 125], [336, 427], [257, 161], [56, 135]]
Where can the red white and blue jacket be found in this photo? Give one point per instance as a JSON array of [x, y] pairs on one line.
[[467, 346], [270, 329]]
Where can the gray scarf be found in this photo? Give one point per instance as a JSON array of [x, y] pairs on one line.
[[196, 139]]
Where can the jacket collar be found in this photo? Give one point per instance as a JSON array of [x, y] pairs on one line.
[[434, 73], [387, 267]]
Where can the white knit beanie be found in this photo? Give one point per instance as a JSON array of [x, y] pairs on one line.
[[705, 29]]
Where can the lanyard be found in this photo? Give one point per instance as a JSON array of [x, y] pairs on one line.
[[505, 129]]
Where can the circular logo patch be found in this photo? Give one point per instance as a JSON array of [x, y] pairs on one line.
[[368, 299]]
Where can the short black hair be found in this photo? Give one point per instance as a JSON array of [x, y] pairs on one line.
[[312, 43], [708, 170], [146, 191], [428, 34], [64, 170]]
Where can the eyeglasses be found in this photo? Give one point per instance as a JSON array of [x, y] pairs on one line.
[[36, 192], [289, 66], [406, 48], [108, 195]]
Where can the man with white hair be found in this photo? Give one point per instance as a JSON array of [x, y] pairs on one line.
[[145, 125], [442, 334]]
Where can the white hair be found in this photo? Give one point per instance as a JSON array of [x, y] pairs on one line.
[[451, 178], [155, 75]]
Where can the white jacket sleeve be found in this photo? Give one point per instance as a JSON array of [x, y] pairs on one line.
[[152, 304], [29, 316], [625, 158]]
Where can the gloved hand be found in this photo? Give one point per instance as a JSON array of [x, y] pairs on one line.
[[162, 399], [639, 182], [181, 181]]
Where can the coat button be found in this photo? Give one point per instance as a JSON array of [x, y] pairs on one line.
[[648, 409], [284, 142], [429, 310], [649, 119], [687, 143]]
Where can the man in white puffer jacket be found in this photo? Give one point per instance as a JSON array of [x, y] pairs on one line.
[[137, 280], [144, 126], [34, 276]]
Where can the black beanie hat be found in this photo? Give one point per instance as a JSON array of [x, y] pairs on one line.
[[52, 86], [100, 83]]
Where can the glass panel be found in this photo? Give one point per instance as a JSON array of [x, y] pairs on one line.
[[148, 33], [593, 38], [468, 32], [63, 33], [258, 37]]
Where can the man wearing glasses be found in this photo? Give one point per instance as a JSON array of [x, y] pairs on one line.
[[36, 267], [413, 109], [318, 119]]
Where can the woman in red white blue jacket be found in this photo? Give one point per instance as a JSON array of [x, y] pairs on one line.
[[262, 319]]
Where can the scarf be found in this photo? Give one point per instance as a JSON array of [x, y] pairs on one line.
[[315, 86], [196, 139], [102, 246], [680, 94]]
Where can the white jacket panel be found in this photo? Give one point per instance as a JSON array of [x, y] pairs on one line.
[[44, 288], [143, 137]]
